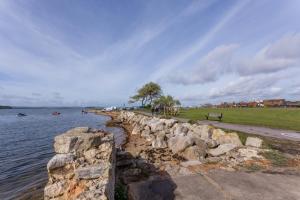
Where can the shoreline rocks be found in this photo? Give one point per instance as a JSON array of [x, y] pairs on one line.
[[192, 142]]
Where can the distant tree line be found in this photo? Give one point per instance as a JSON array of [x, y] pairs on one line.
[[5, 107]]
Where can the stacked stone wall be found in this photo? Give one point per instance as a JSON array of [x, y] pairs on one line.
[[83, 167]]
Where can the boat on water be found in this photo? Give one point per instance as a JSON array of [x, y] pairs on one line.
[[56, 113], [21, 115]]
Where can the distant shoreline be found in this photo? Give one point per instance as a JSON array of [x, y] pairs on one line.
[[6, 107]]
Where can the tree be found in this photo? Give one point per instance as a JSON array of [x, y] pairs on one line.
[[147, 94], [168, 103]]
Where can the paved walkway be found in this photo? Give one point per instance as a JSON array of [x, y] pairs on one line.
[[219, 185], [264, 131], [258, 130]]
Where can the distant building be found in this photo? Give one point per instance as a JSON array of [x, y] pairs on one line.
[[294, 104], [274, 102], [252, 104], [242, 104]]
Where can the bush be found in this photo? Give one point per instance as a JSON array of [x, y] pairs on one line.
[[276, 158]]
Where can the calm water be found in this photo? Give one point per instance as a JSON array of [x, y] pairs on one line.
[[26, 145]]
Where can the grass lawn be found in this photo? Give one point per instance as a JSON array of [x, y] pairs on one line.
[[284, 118]]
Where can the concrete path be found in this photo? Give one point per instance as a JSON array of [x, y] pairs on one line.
[[263, 131], [258, 130], [219, 185]]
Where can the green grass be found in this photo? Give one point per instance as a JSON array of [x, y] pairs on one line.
[[276, 157], [284, 118], [254, 167]]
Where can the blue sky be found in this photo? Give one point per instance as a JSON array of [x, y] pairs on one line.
[[93, 52]]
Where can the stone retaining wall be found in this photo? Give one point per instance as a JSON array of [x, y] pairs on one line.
[[83, 167], [193, 142]]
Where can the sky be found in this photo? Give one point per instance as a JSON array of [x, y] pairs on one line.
[[98, 53]]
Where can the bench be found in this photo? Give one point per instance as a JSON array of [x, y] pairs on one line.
[[214, 115]]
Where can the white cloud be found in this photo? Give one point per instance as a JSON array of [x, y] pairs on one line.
[[282, 54], [210, 67], [173, 62], [42, 62]]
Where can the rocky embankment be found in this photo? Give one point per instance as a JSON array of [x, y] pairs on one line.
[[87, 163], [83, 167], [173, 147]]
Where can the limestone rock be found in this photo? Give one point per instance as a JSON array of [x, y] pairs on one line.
[[90, 172], [145, 133], [232, 138], [79, 130], [159, 142], [90, 155], [54, 190], [64, 144], [169, 122], [180, 143], [180, 130], [254, 142], [60, 160], [194, 153], [87, 171], [156, 125], [136, 130], [222, 149], [72, 141], [203, 131], [249, 154], [217, 133], [190, 163]]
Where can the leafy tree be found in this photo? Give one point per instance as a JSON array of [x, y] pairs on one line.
[[168, 103], [147, 94]]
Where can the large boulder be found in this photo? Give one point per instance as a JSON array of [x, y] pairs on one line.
[[156, 124], [203, 131], [145, 133], [144, 120], [159, 141], [249, 153], [217, 133], [194, 152], [74, 140], [254, 142], [180, 130], [222, 149], [180, 143], [136, 130], [231, 138], [169, 122]]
